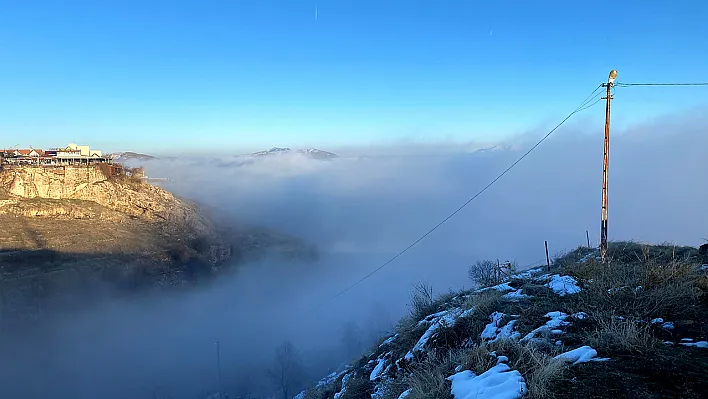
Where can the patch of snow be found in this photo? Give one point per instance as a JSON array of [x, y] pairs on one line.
[[490, 331], [331, 377], [527, 273], [499, 382], [405, 394], [345, 385], [502, 359], [704, 268], [431, 318], [378, 369], [699, 344], [458, 368], [563, 285], [515, 295], [686, 339], [444, 318], [580, 315], [668, 325], [467, 312], [580, 355], [559, 343], [389, 341], [657, 320], [551, 326], [493, 332], [503, 287], [301, 395]]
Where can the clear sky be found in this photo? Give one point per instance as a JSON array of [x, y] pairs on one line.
[[162, 76]]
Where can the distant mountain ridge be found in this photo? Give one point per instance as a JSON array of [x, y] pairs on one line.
[[310, 152], [128, 156]]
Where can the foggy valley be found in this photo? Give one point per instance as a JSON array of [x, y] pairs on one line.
[[359, 212]]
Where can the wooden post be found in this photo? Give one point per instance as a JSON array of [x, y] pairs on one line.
[[548, 260], [587, 234]]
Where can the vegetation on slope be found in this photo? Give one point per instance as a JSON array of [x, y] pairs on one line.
[[643, 314]]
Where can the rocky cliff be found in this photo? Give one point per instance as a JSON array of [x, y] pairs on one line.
[[65, 228]]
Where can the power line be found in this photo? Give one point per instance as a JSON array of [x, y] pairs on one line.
[[620, 84], [450, 216]]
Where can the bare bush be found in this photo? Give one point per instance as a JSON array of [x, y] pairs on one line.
[[484, 273], [422, 302]]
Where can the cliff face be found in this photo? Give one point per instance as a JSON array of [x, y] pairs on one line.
[[64, 229], [91, 184]]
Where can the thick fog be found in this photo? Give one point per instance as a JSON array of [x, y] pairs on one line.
[[360, 211]]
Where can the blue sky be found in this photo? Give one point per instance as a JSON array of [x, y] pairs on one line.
[[162, 76]]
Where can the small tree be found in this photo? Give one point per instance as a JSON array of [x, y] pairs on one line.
[[484, 273], [287, 371]]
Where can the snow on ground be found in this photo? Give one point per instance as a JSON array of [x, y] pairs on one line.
[[699, 344], [378, 369], [527, 274], [444, 318], [581, 355], [580, 315], [551, 326], [431, 318], [503, 287], [301, 395], [332, 377], [493, 332], [389, 341], [515, 295], [405, 394], [563, 285], [666, 325], [704, 268], [345, 385], [499, 382]]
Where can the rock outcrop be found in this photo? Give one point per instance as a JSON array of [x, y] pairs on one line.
[[73, 227]]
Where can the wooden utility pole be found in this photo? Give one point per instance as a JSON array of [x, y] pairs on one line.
[[605, 165]]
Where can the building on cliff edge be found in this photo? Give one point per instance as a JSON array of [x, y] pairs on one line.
[[72, 154]]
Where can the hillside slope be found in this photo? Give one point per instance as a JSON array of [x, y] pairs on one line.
[[74, 229], [633, 328]]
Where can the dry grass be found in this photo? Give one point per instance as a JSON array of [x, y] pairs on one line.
[[625, 335], [539, 368], [643, 282], [429, 378], [359, 387]]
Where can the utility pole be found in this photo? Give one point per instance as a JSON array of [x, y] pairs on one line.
[[605, 165]]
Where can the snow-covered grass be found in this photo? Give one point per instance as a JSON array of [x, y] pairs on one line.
[[499, 382], [557, 320], [495, 331], [563, 285], [699, 344], [515, 295], [503, 287], [580, 355]]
